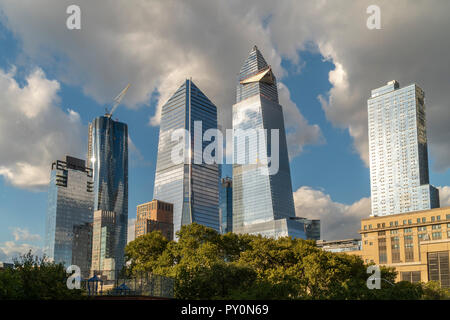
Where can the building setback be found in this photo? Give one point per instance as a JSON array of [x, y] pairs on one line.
[[398, 152], [192, 188], [69, 213], [108, 155], [154, 216]]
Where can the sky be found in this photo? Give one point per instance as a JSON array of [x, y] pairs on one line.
[[54, 81]]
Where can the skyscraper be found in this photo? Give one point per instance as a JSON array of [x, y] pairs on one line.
[[398, 151], [104, 245], [226, 205], [262, 203], [108, 155], [191, 187], [155, 215], [69, 213]]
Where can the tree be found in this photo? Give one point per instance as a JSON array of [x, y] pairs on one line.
[[35, 278]]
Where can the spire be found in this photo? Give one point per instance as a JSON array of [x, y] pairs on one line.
[[256, 77], [255, 62]]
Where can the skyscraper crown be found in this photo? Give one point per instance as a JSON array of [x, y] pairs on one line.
[[256, 77]]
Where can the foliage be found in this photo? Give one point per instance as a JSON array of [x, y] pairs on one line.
[[35, 278], [207, 265]]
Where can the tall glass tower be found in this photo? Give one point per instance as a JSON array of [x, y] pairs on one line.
[[70, 214], [262, 204], [398, 151], [192, 188], [108, 154]]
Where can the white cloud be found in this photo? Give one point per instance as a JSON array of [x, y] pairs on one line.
[[34, 131], [138, 44], [10, 250], [23, 234], [338, 220], [444, 196]]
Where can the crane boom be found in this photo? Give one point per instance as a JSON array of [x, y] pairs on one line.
[[117, 100]]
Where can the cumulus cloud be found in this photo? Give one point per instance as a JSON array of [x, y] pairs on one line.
[[34, 131], [444, 196], [23, 234], [338, 220], [120, 43], [23, 242]]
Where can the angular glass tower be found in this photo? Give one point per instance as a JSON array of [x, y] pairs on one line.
[[262, 204], [108, 155], [192, 188], [398, 151], [70, 214]]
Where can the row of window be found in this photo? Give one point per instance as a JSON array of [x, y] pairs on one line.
[[406, 222]]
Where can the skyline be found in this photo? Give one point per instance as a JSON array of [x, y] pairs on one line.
[[302, 82]]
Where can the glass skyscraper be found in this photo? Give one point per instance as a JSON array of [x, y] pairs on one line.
[[69, 214], [192, 188], [226, 205], [262, 204], [398, 151], [108, 155]]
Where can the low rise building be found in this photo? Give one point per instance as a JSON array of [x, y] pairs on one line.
[[416, 244], [154, 215], [346, 245]]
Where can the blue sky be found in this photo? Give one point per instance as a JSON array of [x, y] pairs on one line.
[[329, 176]]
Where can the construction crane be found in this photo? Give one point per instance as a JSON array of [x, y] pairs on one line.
[[117, 101]]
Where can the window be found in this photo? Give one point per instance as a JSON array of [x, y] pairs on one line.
[[421, 228], [410, 276], [438, 268], [409, 221], [409, 249], [418, 220], [381, 233], [395, 249], [436, 226], [424, 220], [382, 253], [438, 218], [436, 235], [365, 227], [394, 231], [432, 219], [408, 230]]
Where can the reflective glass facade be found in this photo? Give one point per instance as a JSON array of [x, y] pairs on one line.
[[108, 155], [69, 214], [260, 201], [398, 151], [193, 189], [226, 205]]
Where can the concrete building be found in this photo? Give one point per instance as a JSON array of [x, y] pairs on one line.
[[398, 151], [152, 216], [104, 242], [416, 244]]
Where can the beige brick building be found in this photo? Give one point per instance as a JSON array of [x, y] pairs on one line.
[[417, 244]]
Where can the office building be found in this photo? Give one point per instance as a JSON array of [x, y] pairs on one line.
[[70, 209], [191, 186], [108, 155], [416, 244], [262, 203], [104, 242], [398, 151], [226, 205], [154, 216]]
